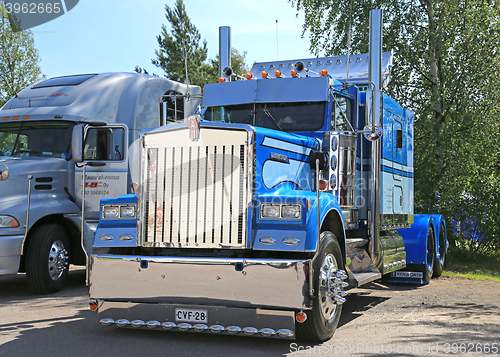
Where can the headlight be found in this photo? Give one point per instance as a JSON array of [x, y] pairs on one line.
[[4, 172], [290, 212], [285, 211], [8, 222], [270, 211], [127, 211], [118, 211]]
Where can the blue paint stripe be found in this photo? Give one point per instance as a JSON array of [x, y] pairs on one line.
[[397, 172]]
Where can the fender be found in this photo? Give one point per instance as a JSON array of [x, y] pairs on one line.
[[415, 237], [328, 206]]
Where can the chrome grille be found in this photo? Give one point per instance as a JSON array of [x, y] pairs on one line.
[[197, 194]]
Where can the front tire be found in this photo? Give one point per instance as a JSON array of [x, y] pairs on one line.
[[47, 259], [323, 319]]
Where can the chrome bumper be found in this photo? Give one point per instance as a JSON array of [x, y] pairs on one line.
[[249, 283], [223, 320]]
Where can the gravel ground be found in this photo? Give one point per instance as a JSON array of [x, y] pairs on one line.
[[450, 316]]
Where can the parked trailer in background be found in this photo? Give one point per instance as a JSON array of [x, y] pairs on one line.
[[296, 184], [51, 132]]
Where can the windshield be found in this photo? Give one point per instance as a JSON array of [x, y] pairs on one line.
[[42, 138], [303, 116]]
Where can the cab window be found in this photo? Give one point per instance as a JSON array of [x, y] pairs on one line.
[[341, 114], [104, 144]]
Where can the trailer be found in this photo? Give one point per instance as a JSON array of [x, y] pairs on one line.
[[254, 219], [61, 135]]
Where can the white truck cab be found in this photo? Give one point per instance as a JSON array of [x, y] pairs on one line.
[[53, 132]]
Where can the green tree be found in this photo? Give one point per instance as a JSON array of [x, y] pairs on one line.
[[238, 64], [19, 59], [447, 60], [180, 54]]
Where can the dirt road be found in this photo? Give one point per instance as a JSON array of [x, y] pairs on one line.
[[451, 316]]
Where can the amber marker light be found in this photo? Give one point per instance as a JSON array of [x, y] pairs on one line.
[[26, 117], [93, 306], [15, 118], [5, 118], [264, 74], [301, 317], [277, 73], [221, 80], [293, 73], [324, 72], [323, 185], [248, 76]]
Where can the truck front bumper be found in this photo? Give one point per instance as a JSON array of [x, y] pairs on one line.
[[279, 284], [10, 254]]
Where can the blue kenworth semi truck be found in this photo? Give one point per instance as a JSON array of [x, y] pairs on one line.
[[61, 135], [296, 184]]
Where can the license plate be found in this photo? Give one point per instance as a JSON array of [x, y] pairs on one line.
[[189, 315], [407, 274]]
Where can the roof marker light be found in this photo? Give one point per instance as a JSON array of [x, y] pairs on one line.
[[264, 74], [15, 118], [278, 74], [228, 71], [299, 66], [222, 79], [248, 76], [26, 117], [6, 118], [324, 72]]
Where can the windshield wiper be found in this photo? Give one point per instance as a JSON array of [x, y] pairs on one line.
[[271, 117], [249, 116]]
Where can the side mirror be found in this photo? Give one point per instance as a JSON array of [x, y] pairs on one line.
[[77, 143]]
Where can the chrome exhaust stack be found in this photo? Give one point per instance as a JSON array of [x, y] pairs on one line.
[[224, 51], [373, 131]]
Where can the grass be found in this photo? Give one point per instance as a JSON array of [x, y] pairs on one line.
[[467, 264]]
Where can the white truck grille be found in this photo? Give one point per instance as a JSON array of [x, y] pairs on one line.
[[197, 192]]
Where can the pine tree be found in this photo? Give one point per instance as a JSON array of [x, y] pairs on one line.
[[181, 56]]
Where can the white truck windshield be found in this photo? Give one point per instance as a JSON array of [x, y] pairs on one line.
[[40, 138]]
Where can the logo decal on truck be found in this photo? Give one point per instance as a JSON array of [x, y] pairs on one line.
[[194, 127]]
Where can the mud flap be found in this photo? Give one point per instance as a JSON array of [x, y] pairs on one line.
[[406, 277]]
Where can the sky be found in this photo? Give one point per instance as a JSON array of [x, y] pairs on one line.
[[117, 35]]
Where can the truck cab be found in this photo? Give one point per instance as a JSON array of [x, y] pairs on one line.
[[50, 134]]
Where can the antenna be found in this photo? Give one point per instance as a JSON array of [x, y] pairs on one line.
[[277, 57]]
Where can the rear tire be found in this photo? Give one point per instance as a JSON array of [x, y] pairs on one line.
[[428, 268], [323, 319], [439, 263], [47, 259]]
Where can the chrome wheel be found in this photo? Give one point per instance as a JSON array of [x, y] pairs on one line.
[[58, 260], [331, 288], [323, 318]]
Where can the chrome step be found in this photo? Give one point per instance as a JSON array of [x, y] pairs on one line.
[[367, 277], [359, 265], [356, 242]]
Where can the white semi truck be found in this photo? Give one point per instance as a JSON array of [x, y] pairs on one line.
[[53, 132]]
